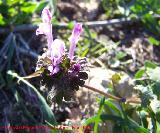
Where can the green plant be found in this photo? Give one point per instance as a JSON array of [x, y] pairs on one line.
[[110, 111], [148, 80], [22, 104], [147, 84], [15, 12]]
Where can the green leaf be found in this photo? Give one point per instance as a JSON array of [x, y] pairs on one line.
[[101, 106], [14, 2], [95, 48], [40, 6], [119, 120], [154, 74], [146, 98], [139, 74], [157, 115], [70, 25], [135, 126], [155, 106], [2, 22], [47, 112], [84, 53], [28, 7], [158, 128], [149, 64], [154, 41], [146, 95], [120, 55], [143, 116], [90, 120], [24, 108], [156, 89], [112, 106], [101, 51]]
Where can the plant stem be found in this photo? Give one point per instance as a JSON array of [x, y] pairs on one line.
[[129, 100], [102, 92]]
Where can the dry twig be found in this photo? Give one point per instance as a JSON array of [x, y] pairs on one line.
[[91, 24]]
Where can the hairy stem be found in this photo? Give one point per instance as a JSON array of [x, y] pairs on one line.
[[129, 100]]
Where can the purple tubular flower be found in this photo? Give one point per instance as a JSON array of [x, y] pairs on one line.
[[46, 16], [57, 51], [74, 38], [56, 47], [53, 70], [46, 27]]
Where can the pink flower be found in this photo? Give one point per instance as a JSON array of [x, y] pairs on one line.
[[56, 47], [53, 70], [46, 27], [74, 38], [46, 16], [57, 52]]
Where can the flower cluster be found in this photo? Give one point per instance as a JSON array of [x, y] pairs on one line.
[[62, 73]]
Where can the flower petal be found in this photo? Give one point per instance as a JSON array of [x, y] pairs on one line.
[[53, 70], [50, 68], [46, 27], [76, 33], [46, 15], [43, 28], [74, 38], [56, 70], [57, 51], [76, 67]]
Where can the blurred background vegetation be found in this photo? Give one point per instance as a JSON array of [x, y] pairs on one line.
[[128, 40]]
